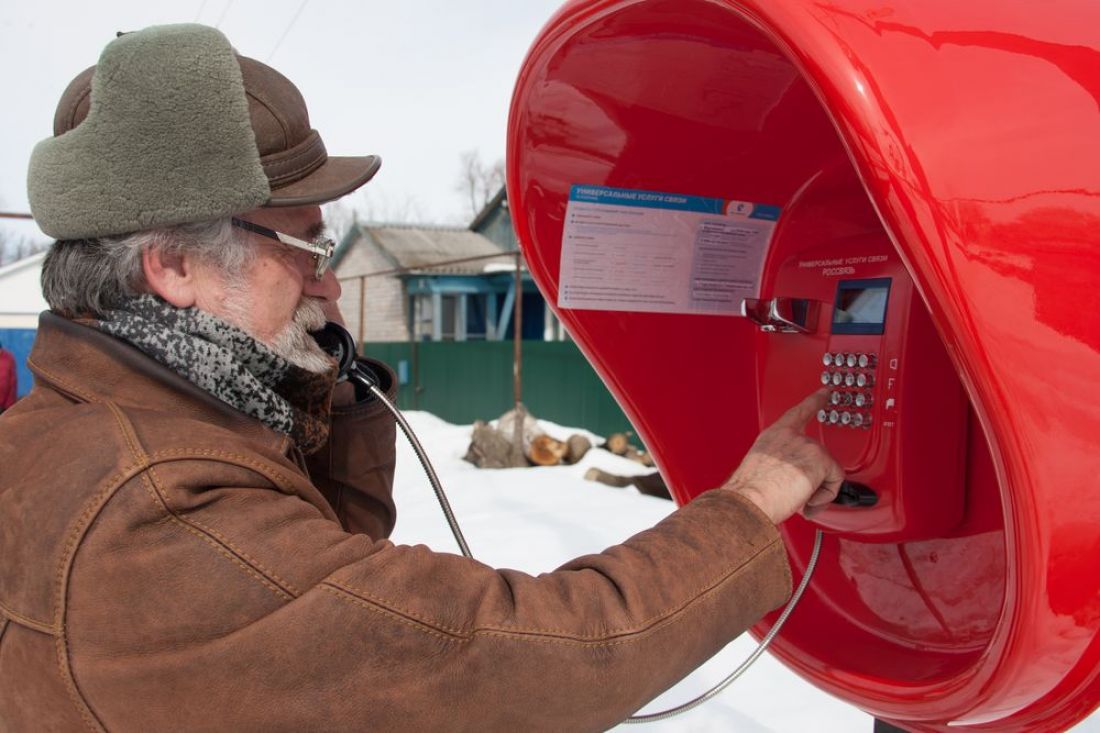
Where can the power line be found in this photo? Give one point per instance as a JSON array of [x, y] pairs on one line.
[[287, 30], [225, 11], [202, 7]]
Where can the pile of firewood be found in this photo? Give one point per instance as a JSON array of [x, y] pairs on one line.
[[496, 447]]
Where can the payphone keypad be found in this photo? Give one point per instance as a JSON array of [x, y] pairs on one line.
[[851, 377]]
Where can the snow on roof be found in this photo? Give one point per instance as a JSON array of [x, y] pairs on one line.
[[418, 248]]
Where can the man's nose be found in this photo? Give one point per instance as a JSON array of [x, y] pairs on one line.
[[327, 288]]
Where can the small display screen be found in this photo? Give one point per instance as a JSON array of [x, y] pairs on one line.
[[861, 306]]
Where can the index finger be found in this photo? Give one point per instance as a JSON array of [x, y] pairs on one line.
[[797, 417]]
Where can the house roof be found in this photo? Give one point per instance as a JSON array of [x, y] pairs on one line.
[[489, 207], [417, 248]]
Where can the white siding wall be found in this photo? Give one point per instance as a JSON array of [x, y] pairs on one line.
[[21, 293]]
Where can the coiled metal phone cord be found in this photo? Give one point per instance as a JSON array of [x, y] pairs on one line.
[[432, 477], [691, 704], [337, 342]]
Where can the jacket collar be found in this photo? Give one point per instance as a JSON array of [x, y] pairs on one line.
[[87, 365]]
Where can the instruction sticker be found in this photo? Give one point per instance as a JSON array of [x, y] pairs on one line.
[[630, 250]]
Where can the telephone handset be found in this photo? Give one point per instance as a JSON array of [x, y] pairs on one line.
[[337, 342]]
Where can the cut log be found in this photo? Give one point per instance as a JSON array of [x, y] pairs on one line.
[[638, 456], [576, 447], [617, 443], [595, 474], [650, 484], [545, 451]]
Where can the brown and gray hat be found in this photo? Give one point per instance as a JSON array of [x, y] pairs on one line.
[[171, 126]]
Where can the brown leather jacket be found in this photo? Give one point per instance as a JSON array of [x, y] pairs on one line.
[[169, 563]]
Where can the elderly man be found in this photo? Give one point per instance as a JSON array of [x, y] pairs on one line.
[[194, 526]]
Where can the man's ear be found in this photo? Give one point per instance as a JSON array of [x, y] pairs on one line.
[[169, 275]]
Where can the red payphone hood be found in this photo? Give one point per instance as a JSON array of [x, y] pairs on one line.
[[972, 131]]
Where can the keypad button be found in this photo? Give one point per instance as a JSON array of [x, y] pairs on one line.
[[838, 379], [827, 360], [851, 361], [863, 399], [857, 419], [865, 380], [868, 361], [834, 417], [826, 377], [835, 398], [845, 418], [846, 398], [850, 379], [822, 416]]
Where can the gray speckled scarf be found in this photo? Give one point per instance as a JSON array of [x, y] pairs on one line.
[[229, 364]]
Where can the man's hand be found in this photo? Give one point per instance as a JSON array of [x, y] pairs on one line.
[[785, 471]]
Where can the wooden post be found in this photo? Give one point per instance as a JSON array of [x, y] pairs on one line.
[[417, 389], [517, 357], [437, 316], [460, 317], [362, 309]]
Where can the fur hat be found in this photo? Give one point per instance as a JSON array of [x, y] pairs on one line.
[[170, 127]]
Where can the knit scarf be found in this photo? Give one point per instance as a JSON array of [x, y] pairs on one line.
[[229, 364]]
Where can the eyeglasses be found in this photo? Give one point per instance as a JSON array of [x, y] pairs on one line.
[[321, 249]]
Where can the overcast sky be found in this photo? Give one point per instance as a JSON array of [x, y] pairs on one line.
[[417, 82]]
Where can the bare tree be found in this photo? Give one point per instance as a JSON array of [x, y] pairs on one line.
[[15, 247], [339, 218], [370, 206], [14, 244], [478, 181]]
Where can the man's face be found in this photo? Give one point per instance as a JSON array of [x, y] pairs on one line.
[[278, 299]]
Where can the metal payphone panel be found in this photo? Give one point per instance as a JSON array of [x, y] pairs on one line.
[[897, 416]]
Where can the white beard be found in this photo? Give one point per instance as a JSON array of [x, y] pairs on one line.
[[293, 342]]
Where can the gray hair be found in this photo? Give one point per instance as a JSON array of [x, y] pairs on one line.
[[88, 277]]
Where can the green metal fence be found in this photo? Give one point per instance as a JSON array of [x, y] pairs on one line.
[[472, 380]]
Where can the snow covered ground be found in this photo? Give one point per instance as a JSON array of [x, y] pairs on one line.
[[536, 519]]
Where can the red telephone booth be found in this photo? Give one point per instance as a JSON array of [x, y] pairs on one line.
[[732, 202]]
